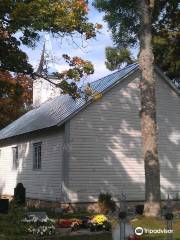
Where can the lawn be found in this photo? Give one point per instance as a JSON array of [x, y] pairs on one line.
[[152, 223], [106, 236]]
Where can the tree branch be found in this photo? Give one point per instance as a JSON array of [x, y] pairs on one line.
[[46, 78]]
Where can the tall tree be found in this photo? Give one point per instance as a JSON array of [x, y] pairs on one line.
[[148, 110], [132, 22]]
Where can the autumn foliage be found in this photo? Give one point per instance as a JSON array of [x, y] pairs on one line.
[[66, 18], [28, 18], [15, 96]]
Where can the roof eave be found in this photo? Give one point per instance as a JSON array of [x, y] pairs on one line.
[[167, 80]]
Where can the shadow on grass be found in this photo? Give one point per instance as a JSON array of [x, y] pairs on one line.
[[106, 236]]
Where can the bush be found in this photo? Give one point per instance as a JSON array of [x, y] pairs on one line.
[[106, 203], [139, 209], [20, 194]]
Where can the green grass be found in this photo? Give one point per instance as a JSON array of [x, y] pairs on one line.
[[153, 223], [106, 236], [10, 226]]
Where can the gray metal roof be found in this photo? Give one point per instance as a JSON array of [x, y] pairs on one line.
[[61, 108]]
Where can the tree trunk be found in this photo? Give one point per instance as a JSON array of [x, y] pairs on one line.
[[148, 112]]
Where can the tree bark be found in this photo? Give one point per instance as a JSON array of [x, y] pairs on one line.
[[148, 112]]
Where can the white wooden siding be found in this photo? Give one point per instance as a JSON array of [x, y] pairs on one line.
[[105, 143], [40, 184], [106, 152], [168, 118]]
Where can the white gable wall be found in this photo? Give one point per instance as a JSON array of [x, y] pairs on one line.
[[106, 152], [168, 118], [105, 141], [39, 184]]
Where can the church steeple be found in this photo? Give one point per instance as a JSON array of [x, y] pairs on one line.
[[42, 89], [47, 60], [41, 63]]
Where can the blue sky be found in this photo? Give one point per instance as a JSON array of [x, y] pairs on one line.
[[93, 50]]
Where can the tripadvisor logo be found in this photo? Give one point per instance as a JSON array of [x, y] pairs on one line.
[[139, 231]]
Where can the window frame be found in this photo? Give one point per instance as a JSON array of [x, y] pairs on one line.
[[37, 156], [15, 156]]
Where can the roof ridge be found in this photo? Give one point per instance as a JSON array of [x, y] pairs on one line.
[[116, 71], [96, 81]]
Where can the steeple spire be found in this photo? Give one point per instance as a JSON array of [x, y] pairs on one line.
[[41, 63], [47, 60], [44, 90]]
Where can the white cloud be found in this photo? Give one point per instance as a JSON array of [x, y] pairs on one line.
[[100, 70]]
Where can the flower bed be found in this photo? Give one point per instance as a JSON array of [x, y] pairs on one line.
[[96, 223], [35, 226]]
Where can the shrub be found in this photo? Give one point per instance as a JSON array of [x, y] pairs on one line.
[[20, 194], [106, 203], [139, 209]]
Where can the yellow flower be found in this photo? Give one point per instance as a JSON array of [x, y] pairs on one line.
[[99, 219]]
